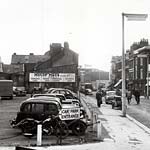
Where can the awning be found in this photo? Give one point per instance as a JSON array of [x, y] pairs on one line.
[[118, 83]]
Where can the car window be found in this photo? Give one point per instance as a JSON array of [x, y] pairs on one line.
[[26, 108], [111, 93], [62, 92], [61, 97], [55, 91], [37, 108]]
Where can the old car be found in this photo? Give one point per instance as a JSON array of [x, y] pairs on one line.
[[39, 108], [88, 92], [66, 103], [110, 95], [67, 93], [19, 91], [117, 102]]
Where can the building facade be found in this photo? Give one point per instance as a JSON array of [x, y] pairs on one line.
[[136, 69], [58, 67]]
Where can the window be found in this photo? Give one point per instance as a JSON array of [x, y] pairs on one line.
[[141, 73], [141, 61], [136, 72], [37, 107], [26, 108]]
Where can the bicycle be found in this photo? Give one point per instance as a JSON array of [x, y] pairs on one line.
[[52, 125]]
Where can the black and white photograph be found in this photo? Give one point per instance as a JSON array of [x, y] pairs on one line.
[[74, 74]]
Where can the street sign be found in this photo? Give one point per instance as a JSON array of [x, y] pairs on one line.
[[142, 55]]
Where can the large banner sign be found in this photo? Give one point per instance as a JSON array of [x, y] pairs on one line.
[[52, 77], [70, 113]]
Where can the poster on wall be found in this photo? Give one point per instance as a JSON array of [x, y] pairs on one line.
[[52, 77]]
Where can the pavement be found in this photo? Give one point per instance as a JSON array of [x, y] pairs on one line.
[[125, 133]]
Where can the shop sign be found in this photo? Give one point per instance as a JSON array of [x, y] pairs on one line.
[[52, 77], [70, 113]]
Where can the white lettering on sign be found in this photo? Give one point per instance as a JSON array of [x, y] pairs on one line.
[[52, 77], [69, 114]]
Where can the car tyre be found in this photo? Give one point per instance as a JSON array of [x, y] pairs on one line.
[[79, 128]]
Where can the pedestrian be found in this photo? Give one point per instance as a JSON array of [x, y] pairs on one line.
[[129, 96], [137, 96], [99, 98]]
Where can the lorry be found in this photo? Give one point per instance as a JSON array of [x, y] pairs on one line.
[[6, 89]]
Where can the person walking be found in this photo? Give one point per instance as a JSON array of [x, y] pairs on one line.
[[129, 96], [137, 96], [99, 98]]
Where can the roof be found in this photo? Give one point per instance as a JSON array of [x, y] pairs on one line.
[[42, 99], [22, 59], [142, 49]]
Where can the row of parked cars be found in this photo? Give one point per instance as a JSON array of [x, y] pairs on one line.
[[58, 102]]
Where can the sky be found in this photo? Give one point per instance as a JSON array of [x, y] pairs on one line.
[[93, 28]]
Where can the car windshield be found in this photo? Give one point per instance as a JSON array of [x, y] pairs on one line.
[[111, 93]]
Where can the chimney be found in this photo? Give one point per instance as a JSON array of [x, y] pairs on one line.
[[66, 45], [31, 54]]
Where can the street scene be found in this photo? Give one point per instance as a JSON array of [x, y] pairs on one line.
[[74, 74]]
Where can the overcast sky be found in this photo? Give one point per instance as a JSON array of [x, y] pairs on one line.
[[92, 27]]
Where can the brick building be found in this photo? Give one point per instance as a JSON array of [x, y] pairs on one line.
[[58, 60], [136, 64]]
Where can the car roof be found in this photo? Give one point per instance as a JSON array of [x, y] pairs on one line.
[[43, 99], [57, 95], [61, 89]]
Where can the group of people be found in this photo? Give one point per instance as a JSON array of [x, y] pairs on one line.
[[136, 94], [129, 93]]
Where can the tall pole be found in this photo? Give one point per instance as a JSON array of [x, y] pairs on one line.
[[131, 17], [147, 77], [123, 72]]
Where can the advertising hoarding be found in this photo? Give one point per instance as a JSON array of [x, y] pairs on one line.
[[52, 77]]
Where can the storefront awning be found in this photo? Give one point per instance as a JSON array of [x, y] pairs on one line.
[[118, 83]]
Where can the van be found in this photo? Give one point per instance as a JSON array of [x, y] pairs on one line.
[[6, 89]]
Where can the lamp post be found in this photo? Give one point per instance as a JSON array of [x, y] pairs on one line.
[[130, 17], [147, 77]]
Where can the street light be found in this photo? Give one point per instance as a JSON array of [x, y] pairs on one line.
[[130, 17]]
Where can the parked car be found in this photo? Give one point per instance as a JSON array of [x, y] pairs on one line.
[[117, 102], [19, 91], [40, 108], [66, 103], [88, 92], [110, 95], [67, 93]]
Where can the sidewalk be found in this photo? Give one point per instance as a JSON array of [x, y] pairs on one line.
[[125, 134]]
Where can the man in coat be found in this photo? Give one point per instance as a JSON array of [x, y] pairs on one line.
[[99, 98]]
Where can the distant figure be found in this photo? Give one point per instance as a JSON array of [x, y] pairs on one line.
[[129, 96], [99, 98], [137, 96]]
